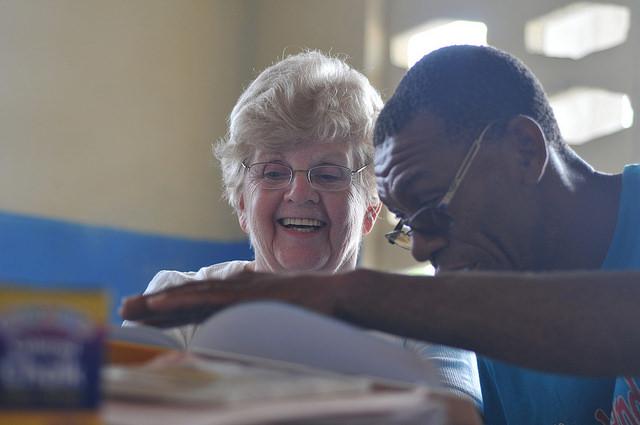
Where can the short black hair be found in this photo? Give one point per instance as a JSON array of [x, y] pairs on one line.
[[468, 87]]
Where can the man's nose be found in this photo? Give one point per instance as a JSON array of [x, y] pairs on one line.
[[424, 247], [300, 190]]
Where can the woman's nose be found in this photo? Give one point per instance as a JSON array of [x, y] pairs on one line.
[[423, 247], [300, 190]]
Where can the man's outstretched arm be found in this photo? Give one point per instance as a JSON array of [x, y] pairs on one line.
[[579, 323]]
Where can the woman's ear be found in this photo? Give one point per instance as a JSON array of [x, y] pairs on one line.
[[529, 148], [242, 215], [370, 217]]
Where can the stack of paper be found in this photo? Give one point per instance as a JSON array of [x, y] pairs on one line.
[[268, 363], [183, 388]]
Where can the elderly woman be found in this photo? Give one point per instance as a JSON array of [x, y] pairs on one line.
[[295, 164], [296, 170]]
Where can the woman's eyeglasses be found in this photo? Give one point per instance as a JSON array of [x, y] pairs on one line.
[[434, 220], [273, 175]]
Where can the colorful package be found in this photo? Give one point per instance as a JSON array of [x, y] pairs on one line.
[[51, 350]]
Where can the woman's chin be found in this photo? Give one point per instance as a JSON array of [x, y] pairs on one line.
[[306, 263]]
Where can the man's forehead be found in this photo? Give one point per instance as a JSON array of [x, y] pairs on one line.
[[405, 185], [423, 136], [413, 165], [410, 193]]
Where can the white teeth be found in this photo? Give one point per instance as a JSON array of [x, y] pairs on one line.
[[301, 222]]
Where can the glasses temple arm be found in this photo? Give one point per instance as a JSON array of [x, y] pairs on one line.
[[462, 171]]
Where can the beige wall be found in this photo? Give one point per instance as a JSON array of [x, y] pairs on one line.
[[288, 26], [109, 108]]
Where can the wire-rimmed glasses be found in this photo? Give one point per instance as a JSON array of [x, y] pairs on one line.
[[274, 175]]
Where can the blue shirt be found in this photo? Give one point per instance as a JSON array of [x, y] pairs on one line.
[[624, 254], [518, 396]]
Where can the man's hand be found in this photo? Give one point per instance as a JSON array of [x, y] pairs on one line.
[[193, 302]]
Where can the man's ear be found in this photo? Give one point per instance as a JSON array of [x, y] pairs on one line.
[[529, 147], [242, 215], [370, 217]]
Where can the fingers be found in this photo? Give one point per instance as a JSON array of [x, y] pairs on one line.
[[169, 309], [187, 303], [195, 301], [190, 297], [180, 317], [134, 307]]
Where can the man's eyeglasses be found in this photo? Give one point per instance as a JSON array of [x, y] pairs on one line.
[[434, 220], [273, 175]]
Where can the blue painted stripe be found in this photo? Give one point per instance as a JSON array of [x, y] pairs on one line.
[[49, 253]]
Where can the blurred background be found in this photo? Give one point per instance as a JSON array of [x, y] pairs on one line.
[[109, 108]]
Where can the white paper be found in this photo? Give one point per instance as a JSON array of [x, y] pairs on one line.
[[286, 333]]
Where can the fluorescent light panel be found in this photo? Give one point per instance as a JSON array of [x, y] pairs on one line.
[[409, 47], [586, 113], [578, 30]]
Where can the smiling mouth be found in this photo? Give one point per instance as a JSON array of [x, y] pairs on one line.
[[302, 224]]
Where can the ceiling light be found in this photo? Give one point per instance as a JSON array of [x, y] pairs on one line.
[[409, 47], [586, 113], [577, 30]]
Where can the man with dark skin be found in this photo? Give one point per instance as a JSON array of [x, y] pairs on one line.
[[535, 250]]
